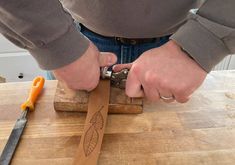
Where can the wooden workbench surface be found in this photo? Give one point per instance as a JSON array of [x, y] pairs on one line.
[[199, 132]]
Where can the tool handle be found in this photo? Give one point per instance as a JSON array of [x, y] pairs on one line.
[[36, 88]]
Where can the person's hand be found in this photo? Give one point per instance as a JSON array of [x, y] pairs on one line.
[[166, 71], [84, 73]]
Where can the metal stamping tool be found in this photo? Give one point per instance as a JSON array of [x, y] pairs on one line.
[[118, 79]]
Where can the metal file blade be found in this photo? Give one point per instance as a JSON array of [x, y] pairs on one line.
[[14, 139]]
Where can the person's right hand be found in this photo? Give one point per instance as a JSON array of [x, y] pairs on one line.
[[84, 73]]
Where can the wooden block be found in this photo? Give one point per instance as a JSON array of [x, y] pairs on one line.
[[70, 100], [2, 80]]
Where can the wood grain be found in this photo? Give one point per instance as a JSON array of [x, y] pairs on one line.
[[70, 100], [200, 132]]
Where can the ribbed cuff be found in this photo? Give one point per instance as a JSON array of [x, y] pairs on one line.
[[202, 45], [61, 51]]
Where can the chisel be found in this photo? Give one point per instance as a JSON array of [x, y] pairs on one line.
[[18, 129]]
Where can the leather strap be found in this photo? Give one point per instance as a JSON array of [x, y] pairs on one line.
[[91, 140]]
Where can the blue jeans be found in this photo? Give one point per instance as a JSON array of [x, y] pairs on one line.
[[125, 53]]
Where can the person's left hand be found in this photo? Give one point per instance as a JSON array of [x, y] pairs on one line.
[[164, 72]]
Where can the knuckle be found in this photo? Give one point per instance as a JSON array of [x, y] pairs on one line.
[[136, 69], [181, 89], [134, 93], [92, 85], [129, 93], [150, 78], [181, 93], [182, 100], [89, 88], [164, 83], [88, 85]]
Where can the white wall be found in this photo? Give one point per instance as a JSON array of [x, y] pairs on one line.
[[232, 62], [227, 64], [14, 61], [8, 47]]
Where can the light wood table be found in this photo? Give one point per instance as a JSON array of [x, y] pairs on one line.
[[201, 131]]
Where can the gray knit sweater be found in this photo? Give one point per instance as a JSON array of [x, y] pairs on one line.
[[46, 28]]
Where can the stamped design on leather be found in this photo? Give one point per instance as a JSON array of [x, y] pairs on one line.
[[91, 137]]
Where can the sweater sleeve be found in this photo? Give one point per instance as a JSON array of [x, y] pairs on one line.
[[45, 29], [209, 33]]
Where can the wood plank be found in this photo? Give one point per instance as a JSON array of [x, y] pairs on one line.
[[70, 100], [201, 131], [2, 80]]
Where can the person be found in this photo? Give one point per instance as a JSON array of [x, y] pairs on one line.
[[169, 46]]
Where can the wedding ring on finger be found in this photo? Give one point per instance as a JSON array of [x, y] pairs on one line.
[[167, 98]]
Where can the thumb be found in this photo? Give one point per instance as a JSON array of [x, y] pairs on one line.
[[119, 67], [107, 59]]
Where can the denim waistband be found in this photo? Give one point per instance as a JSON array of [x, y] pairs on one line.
[[122, 40]]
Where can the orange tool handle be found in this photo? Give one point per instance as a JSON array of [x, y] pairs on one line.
[[36, 88]]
